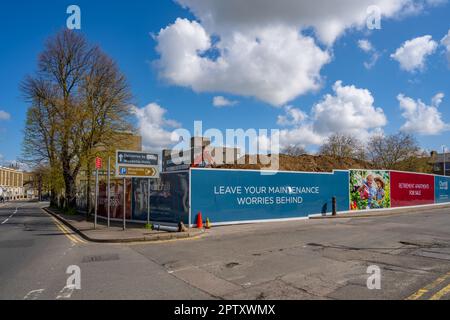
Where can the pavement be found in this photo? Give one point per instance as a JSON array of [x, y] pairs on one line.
[[115, 233], [306, 259], [381, 212]]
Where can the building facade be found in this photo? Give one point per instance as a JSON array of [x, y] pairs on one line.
[[438, 160], [11, 184], [200, 154], [32, 185]]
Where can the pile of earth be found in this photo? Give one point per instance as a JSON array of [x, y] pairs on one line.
[[307, 163]]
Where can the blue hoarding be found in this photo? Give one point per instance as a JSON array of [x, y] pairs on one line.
[[442, 189], [169, 201], [234, 196]]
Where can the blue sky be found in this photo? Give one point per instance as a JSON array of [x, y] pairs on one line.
[[169, 94]]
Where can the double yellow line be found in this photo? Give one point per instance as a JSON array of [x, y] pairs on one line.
[[437, 296], [68, 233]]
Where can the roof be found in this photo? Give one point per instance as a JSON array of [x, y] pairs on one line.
[[440, 158], [11, 169]]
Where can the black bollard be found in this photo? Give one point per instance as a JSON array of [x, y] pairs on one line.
[[334, 206]]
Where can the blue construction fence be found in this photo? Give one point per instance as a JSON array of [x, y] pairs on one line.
[[240, 196]]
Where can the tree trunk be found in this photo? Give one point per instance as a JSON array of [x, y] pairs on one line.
[[53, 197], [70, 197], [40, 187], [70, 192]]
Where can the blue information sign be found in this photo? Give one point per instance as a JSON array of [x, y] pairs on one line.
[[442, 189]]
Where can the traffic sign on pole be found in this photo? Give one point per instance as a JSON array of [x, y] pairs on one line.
[[109, 192], [132, 164], [98, 163], [138, 172], [137, 158]]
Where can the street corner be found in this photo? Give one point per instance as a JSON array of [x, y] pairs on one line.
[[116, 234]]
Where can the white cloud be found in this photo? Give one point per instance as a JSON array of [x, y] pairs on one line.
[[275, 64], [365, 45], [153, 126], [303, 136], [349, 110], [446, 43], [421, 118], [221, 102], [292, 116], [257, 48], [437, 99], [4, 115], [327, 19], [373, 60], [416, 7], [413, 53]]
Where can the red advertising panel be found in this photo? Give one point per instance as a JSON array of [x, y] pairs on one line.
[[411, 189]]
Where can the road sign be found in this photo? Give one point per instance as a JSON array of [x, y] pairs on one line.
[[138, 172], [137, 158], [98, 163], [132, 164]]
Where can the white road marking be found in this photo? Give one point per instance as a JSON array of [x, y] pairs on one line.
[[66, 292], [33, 295], [7, 219]]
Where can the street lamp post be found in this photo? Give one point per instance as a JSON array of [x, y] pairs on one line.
[[445, 166]]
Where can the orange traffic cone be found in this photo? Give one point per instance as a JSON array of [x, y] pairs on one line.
[[199, 221]]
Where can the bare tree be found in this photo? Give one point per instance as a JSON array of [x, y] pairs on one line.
[[40, 134], [343, 146], [78, 101], [294, 151], [388, 151]]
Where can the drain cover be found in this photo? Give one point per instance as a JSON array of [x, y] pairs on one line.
[[101, 258]]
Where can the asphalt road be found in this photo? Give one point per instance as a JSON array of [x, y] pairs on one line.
[[35, 253], [310, 259]]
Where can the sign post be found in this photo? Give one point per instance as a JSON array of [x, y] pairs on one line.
[[132, 164], [124, 204], [98, 165], [109, 192], [445, 165], [149, 197]]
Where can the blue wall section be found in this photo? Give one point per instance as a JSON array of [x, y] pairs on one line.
[[169, 200], [442, 190], [225, 195]]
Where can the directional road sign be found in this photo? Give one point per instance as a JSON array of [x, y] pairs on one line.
[[132, 164], [137, 158]]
